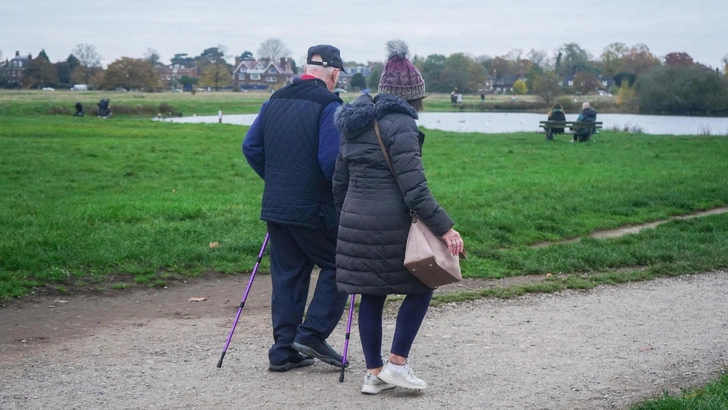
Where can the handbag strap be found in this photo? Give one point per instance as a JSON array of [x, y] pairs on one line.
[[389, 163], [384, 150]]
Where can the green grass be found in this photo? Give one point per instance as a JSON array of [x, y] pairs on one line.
[[712, 396], [31, 102], [86, 199]]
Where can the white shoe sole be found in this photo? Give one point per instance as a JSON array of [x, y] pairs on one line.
[[376, 389], [385, 377]]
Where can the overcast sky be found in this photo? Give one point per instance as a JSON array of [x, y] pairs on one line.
[[360, 29]]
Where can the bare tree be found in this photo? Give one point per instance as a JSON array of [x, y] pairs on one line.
[[152, 56], [538, 57], [273, 49], [89, 59]]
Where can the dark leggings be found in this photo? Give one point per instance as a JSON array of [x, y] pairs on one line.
[[410, 317]]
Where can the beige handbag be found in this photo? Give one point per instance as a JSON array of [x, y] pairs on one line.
[[426, 255]]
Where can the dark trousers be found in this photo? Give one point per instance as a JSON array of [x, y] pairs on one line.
[[409, 319], [294, 250]]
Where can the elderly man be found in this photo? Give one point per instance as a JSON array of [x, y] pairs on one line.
[[587, 114], [293, 145]]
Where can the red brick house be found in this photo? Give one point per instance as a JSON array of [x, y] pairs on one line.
[[170, 74], [262, 74], [14, 68]]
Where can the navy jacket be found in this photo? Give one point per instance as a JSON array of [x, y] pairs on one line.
[[293, 145]]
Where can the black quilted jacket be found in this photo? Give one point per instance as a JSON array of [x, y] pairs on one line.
[[374, 214]]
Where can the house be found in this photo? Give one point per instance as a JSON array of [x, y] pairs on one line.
[[170, 74], [14, 68], [567, 80], [262, 74], [504, 83], [345, 77]]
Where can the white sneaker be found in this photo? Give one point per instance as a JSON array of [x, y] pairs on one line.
[[401, 376], [374, 385]]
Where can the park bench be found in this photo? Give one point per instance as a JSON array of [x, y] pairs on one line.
[[570, 128]]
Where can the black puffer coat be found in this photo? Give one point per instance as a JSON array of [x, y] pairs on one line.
[[374, 214]]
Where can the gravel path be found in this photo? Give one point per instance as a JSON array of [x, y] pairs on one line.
[[154, 349]]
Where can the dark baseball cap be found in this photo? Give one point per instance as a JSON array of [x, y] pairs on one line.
[[329, 54]]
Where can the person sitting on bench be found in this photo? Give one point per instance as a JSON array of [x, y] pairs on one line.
[[588, 114], [557, 114]]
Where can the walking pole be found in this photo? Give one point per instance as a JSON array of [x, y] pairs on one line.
[[245, 296], [346, 341]]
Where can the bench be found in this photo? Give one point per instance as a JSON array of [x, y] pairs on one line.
[[570, 128]]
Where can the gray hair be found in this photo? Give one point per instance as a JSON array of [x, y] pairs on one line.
[[318, 70], [585, 105]]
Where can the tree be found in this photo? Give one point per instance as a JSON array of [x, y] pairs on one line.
[[212, 56], [622, 77], [546, 86], [89, 61], [151, 56], [358, 82], [679, 60], [216, 76], [585, 82], [538, 58], [183, 59], [187, 82], [639, 60], [682, 90], [520, 87], [73, 62], [63, 70], [130, 73], [40, 72], [430, 68], [725, 65], [627, 98], [574, 58], [273, 49], [247, 56], [611, 58]]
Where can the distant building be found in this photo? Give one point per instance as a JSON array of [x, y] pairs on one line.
[[170, 74], [504, 84], [262, 74], [345, 77], [14, 68]]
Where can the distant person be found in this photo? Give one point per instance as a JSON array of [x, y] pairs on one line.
[[557, 114], [375, 216], [79, 110], [104, 108], [587, 114], [293, 145], [482, 97]]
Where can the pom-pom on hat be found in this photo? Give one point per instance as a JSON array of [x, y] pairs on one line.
[[400, 77]]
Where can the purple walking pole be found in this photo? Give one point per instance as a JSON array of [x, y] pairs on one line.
[[348, 333], [245, 296]]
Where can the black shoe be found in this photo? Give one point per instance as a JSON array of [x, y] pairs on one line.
[[322, 351], [292, 363]]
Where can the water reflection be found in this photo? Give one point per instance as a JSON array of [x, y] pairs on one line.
[[495, 123]]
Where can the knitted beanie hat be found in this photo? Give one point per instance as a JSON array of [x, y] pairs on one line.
[[400, 77]]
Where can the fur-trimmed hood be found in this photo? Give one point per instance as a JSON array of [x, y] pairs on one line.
[[353, 118]]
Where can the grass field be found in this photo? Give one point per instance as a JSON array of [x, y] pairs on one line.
[[92, 202], [30, 102], [712, 396]]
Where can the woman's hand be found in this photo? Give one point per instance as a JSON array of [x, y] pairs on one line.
[[454, 242]]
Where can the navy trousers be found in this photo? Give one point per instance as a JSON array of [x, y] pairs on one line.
[[294, 250]]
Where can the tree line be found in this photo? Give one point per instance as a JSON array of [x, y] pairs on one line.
[[640, 80]]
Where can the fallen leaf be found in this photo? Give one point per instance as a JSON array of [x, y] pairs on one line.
[[198, 299], [214, 245]]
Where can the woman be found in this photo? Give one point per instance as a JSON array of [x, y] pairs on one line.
[[375, 216], [557, 114]]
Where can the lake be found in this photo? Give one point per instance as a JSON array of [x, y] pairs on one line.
[[496, 122]]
